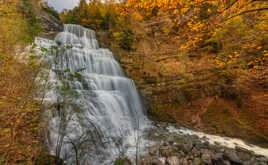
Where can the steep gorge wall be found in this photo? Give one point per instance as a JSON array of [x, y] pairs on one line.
[[206, 99]]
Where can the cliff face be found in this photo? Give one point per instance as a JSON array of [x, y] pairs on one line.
[[202, 102], [192, 92], [50, 21]]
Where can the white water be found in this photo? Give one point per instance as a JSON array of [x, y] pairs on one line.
[[103, 116], [223, 141]]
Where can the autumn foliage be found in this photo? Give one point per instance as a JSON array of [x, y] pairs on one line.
[[204, 61], [188, 53], [20, 112]]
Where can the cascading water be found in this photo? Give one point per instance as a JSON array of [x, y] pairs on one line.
[[97, 113]]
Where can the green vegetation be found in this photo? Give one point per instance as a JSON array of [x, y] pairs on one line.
[[33, 26], [95, 15], [102, 17], [21, 129], [122, 161], [51, 11]]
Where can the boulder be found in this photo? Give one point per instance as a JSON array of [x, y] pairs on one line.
[[173, 160], [165, 151], [231, 156], [241, 149], [197, 161], [251, 162], [195, 152], [187, 147], [226, 162], [206, 158], [154, 151], [152, 161], [217, 156]]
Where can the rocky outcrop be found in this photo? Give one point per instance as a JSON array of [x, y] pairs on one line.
[[177, 149], [50, 23]]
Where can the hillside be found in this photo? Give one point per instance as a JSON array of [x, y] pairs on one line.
[[22, 126]]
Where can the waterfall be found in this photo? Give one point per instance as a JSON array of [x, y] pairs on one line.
[[95, 111]]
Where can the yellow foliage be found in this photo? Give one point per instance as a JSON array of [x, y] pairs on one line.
[[12, 24]]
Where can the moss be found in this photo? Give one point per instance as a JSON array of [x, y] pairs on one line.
[[122, 161], [45, 158]]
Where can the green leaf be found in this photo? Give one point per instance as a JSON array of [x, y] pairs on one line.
[[69, 47], [33, 57], [67, 71], [34, 45], [80, 70], [44, 49]]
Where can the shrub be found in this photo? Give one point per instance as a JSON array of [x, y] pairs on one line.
[[124, 39], [51, 11]]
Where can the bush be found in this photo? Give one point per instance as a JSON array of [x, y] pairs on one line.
[[124, 39], [34, 26], [52, 12]]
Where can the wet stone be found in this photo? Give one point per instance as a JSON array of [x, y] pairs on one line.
[[196, 152], [152, 161], [165, 151], [226, 162], [206, 158], [154, 151], [173, 160], [197, 161], [217, 156], [232, 156]]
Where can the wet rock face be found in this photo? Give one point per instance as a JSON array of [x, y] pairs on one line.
[[189, 150]]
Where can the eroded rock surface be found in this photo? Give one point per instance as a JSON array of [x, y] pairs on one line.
[[177, 149]]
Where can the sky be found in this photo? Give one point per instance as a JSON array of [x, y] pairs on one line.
[[59, 5]]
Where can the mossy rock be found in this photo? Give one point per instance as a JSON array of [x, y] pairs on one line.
[[47, 159], [122, 161]]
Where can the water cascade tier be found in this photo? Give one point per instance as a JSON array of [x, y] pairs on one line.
[[96, 113]]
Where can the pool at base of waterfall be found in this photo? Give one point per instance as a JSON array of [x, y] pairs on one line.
[[94, 112]]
